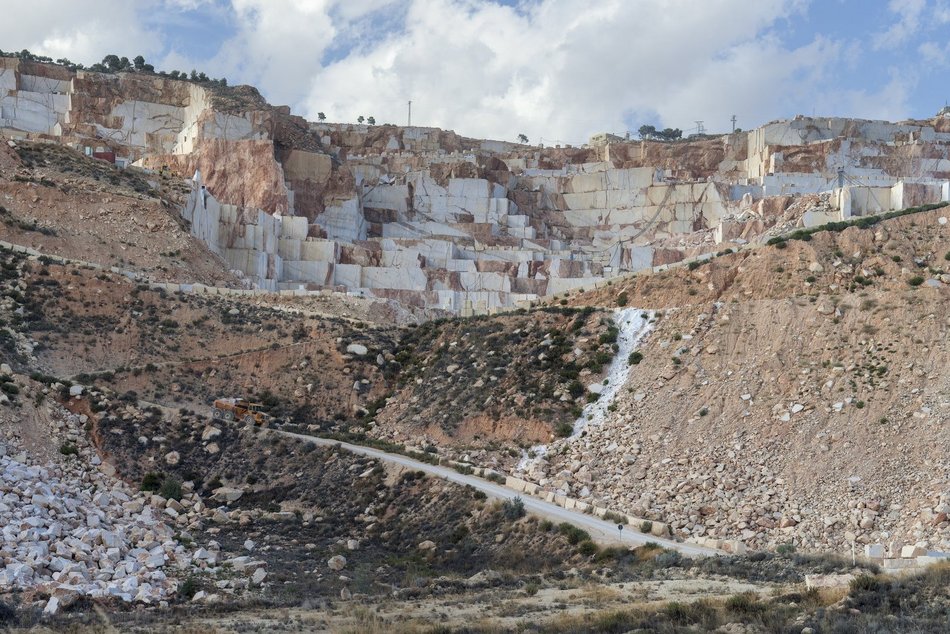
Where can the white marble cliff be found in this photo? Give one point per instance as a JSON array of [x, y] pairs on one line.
[[433, 219]]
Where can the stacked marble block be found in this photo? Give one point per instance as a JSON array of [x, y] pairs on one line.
[[616, 203]]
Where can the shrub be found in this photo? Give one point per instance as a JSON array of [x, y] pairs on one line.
[[635, 357], [745, 603], [698, 613], [7, 614], [151, 481], [916, 280], [563, 430], [867, 583], [646, 526], [513, 509], [587, 548], [704, 412], [170, 489], [573, 534], [189, 587], [785, 549], [622, 299], [68, 449], [692, 266]]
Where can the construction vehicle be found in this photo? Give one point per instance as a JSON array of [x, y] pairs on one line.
[[231, 409]]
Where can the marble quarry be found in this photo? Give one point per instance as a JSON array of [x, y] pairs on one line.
[[430, 218]]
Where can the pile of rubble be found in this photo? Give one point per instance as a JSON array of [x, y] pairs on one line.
[[69, 528]]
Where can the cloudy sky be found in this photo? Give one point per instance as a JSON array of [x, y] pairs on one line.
[[555, 70]]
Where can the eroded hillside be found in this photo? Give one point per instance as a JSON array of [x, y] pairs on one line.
[[796, 393]]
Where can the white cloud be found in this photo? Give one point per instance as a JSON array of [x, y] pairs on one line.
[[553, 69], [942, 12], [565, 69], [908, 14], [935, 54], [81, 30]]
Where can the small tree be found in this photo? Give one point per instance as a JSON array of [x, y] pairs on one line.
[[111, 62], [139, 62], [321, 116], [513, 509], [647, 131], [371, 120], [522, 138], [360, 119]]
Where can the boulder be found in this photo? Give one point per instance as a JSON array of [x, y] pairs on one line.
[[357, 348], [210, 433], [337, 562], [172, 458], [227, 494]]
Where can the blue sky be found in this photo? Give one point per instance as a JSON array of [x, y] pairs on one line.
[[557, 70]]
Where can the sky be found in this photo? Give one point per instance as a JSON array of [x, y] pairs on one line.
[[556, 71]]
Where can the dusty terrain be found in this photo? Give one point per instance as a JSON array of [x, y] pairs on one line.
[[793, 397], [61, 203], [769, 362]]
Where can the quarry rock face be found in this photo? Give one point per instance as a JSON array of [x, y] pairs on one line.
[[434, 220]]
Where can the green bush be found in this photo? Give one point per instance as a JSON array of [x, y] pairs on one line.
[[916, 280], [513, 509], [635, 357], [622, 299], [170, 489], [587, 548], [563, 430], [867, 583], [745, 603], [573, 534], [151, 481], [646, 526], [68, 449], [189, 587]]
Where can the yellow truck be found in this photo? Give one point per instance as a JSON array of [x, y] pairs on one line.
[[232, 409]]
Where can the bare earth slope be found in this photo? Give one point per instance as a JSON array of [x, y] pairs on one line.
[[62, 203], [796, 394]]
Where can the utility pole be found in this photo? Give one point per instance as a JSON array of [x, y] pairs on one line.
[[733, 123], [409, 124], [699, 128]]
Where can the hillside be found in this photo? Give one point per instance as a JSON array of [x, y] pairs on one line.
[[62, 203], [724, 340], [787, 395]]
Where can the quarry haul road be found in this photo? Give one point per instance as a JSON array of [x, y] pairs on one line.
[[600, 530]]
